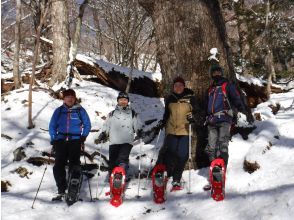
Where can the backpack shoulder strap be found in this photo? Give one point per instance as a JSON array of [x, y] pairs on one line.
[[224, 91], [111, 113], [224, 88]]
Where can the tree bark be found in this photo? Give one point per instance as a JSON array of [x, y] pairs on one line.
[[185, 31], [76, 39], [59, 17], [16, 73], [35, 60], [269, 60]]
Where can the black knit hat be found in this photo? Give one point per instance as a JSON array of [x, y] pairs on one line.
[[123, 95], [69, 92], [179, 79], [216, 67]]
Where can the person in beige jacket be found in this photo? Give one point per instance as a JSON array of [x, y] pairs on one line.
[[180, 110]]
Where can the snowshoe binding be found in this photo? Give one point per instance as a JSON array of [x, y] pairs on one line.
[[74, 185], [159, 181], [217, 179], [117, 183], [58, 198], [176, 186]]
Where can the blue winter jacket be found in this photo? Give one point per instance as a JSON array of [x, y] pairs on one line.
[[69, 123], [219, 107]]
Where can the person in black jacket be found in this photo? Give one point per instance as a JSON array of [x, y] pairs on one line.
[[222, 98]]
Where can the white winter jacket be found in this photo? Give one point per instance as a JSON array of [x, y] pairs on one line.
[[121, 125]]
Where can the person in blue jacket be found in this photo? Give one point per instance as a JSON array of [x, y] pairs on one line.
[[222, 98], [68, 128]]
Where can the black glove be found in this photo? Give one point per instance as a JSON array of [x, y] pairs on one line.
[[160, 124], [83, 139], [190, 118], [53, 148], [140, 133], [102, 138], [250, 118]]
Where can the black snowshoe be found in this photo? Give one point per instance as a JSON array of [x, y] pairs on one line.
[[75, 180]]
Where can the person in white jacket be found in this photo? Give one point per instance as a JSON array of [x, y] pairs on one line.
[[120, 127]]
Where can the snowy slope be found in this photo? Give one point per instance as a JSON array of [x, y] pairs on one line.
[[267, 193]]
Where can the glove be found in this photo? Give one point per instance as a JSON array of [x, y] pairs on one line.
[[102, 138], [83, 139], [190, 118], [249, 118], [160, 124], [140, 133], [53, 148]]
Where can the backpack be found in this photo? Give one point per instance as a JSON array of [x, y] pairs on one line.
[[225, 97]]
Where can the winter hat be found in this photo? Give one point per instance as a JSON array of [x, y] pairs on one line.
[[69, 92], [216, 67], [123, 95], [179, 79]]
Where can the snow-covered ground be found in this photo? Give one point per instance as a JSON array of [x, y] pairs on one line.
[[268, 193]]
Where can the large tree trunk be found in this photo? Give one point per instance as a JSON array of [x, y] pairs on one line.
[[59, 17], [16, 74], [185, 32]]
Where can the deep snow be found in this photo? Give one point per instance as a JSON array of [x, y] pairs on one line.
[[268, 193]]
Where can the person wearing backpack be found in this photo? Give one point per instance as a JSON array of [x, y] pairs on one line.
[[181, 109], [222, 97], [68, 128], [120, 128]]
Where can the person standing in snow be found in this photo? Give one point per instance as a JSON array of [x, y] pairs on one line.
[[221, 97], [68, 128], [180, 110], [120, 127]]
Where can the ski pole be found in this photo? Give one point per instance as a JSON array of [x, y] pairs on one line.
[[88, 179], [139, 176], [152, 158], [190, 157], [99, 167], [40, 183]]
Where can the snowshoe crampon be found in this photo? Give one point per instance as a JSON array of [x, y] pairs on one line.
[[159, 180], [117, 186], [75, 180], [217, 178]]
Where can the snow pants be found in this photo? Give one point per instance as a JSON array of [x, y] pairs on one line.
[[119, 156], [176, 155], [218, 141], [65, 152]]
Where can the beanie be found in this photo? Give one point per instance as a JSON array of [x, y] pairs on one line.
[[216, 67], [123, 95], [179, 79], [69, 92]]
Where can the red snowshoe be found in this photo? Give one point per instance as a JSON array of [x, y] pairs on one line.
[[117, 186], [159, 181], [217, 178]]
